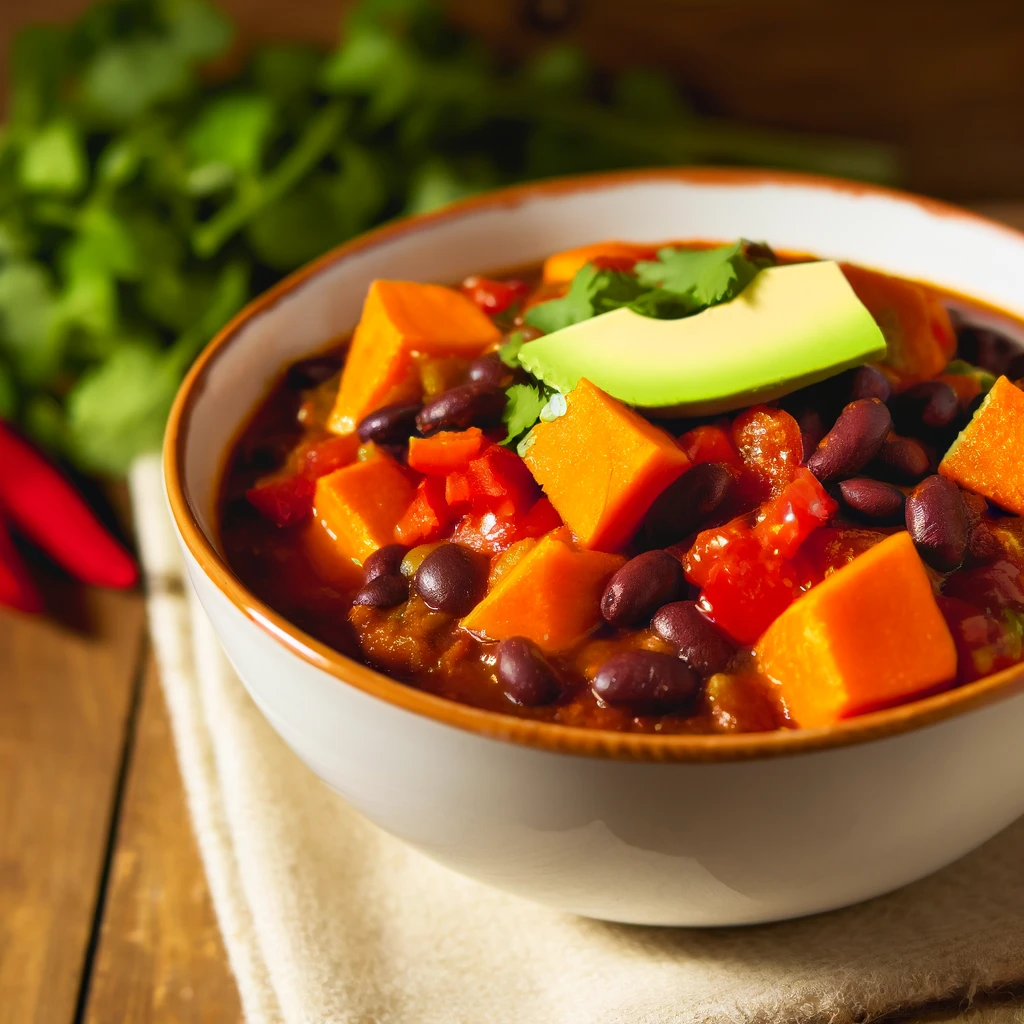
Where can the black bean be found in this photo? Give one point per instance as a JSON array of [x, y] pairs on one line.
[[695, 639], [385, 561], [452, 579], [986, 348], [1015, 368], [869, 382], [902, 460], [930, 405], [687, 503], [489, 369], [524, 673], [873, 500], [652, 681], [390, 424], [937, 520], [307, 373], [383, 591], [640, 587], [467, 405], [853, 442]]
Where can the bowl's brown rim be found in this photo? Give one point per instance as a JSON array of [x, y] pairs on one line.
[[547, 736]]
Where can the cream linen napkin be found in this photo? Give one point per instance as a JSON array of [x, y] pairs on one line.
[[327, 920]]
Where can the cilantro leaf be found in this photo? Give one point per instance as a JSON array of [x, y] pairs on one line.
[[703, 277], [592, 291], [509, 352], [522, 410]]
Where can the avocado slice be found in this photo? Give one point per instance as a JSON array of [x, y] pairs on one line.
[[791, 326]]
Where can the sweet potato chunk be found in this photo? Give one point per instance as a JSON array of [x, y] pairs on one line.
[[602, 465], [551, 595], [986, 457], [562, 266], [401, 318], [869, 636], [916, 325], [359, 505]]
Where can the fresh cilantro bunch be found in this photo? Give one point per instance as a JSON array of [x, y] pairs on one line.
[[151, 183]]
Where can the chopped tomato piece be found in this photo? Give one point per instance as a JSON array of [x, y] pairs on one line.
[[787, 521], [771, 445], [487, 532], [744, 598], [494, 297], [734, 542], [457, 490], [429, 515], [446, 451], [709, 444], [541, 519], [285, 501]]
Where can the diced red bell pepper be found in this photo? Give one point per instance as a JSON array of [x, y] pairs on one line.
[[285, 501], [429, 515], [541, 519], [323, 457], [445, 452], [457, 491], [709, 444], [770, 444], [785, 522], [500, 482], [494, 297]]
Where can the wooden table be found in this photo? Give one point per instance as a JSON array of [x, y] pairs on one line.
[[105, 915]]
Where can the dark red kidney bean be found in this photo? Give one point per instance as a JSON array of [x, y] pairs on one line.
[[452, 579], [465, 406], [696, 640], [812, 430], [489, 369], [990, 587], [385, 561], [390, 424], [1015, 368], [873, 500], [640, 587], [524, 673], [652, 681], [986, 348], [869, 382], [307, 373], [937, 520], [687, 503], [853, 442], [902, 460], [930, 405], [383, 591]]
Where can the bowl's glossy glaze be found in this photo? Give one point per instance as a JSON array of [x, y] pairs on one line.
[[696, 830]]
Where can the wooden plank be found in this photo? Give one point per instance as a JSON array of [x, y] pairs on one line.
[[66, 691], [160, 958]]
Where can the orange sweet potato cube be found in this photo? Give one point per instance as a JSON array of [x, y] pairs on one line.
[[561, 267], [987, 455], [869, 636], [400, 319], [602, 465], [551, 595], [359, 505]]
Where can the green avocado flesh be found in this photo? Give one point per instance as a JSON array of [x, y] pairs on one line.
[[790, 327]]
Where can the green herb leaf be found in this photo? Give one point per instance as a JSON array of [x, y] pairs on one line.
[[54, 160], [522, 410], [509, 352], [8, 393], [703, 277], [29, 332], [232, 130], [197, 30], [592, 292]]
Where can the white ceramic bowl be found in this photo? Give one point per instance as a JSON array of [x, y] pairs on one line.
[[671, 830]]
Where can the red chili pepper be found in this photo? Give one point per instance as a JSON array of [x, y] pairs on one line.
[[286, 501], [44, 506], [16, 587]]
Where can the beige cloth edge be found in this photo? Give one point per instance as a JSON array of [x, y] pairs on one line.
[[328, 921]]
